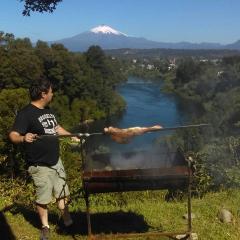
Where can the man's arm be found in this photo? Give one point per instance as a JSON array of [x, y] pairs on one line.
[[17, 138], [61, 131]]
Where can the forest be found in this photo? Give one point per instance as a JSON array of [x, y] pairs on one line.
[[210, 92], [84, 84]]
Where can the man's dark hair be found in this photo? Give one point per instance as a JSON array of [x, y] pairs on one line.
[[38, 87]]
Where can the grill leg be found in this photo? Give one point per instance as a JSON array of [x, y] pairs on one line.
[[189, 198], [88, 215]]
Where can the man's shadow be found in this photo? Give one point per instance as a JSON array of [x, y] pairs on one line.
[[31, 215], [5, 229], [101, 223]]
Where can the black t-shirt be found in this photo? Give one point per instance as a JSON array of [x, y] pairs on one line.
[[34, 120]]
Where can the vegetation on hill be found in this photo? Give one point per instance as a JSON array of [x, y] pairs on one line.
[[210, 93], [128, 54], [84, 85]]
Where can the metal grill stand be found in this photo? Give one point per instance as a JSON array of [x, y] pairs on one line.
[[92, 185]]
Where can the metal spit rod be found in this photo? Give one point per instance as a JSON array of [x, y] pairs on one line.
[[70, 135], [102, 133], [183, 126]]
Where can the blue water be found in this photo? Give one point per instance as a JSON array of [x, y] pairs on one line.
[[147, 105]]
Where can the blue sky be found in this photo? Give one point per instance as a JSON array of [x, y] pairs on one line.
[[159, 20]]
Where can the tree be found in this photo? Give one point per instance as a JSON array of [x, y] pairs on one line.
[[96, 58], [187, 70], [19, 65], [11, 101], [39, 6]]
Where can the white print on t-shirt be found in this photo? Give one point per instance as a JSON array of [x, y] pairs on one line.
[[49, 123]]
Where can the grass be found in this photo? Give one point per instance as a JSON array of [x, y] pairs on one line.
[[129, 212]]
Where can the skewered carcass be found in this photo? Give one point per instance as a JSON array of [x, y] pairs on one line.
[[124, 135]]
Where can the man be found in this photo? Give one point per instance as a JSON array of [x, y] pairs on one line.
[[42, 154]]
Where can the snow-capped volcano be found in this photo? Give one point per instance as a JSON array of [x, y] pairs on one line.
[[104, 29], [109, 38]]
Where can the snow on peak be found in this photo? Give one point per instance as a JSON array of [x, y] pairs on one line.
[[106, 30]]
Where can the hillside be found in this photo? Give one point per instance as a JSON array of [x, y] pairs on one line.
[[161, 53], [130, 212]]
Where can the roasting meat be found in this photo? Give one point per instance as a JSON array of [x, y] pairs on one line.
[[124, 135]]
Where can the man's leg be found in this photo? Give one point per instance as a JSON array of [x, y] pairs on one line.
[[63, 207], [43, 214]]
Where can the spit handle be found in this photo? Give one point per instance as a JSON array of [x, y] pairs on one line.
[[69, 135]]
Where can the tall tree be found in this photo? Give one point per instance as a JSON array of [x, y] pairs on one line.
[[39, 6]]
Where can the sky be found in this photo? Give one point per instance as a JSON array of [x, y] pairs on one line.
[[159, 20]]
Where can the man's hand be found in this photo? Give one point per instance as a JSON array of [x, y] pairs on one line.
[[75, 139], [17, 138], [29, 137]]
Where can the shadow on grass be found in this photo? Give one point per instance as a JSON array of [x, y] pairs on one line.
[[5, 229], [106, 223], [112, 222], [31, 215]]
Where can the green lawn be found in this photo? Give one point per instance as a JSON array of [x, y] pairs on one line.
[[130, 212]]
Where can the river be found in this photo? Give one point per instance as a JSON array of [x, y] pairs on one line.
[[147, 105]]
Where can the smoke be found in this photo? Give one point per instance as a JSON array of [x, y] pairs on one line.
[[153, 158], [137, 160]]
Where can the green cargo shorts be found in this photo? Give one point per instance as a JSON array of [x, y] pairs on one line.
[[49, 182]]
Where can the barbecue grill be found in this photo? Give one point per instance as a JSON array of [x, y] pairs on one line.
[[135, 180], [104, 179]]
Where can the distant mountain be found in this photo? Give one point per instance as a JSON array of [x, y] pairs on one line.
[[235, 45], [109, 38]]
